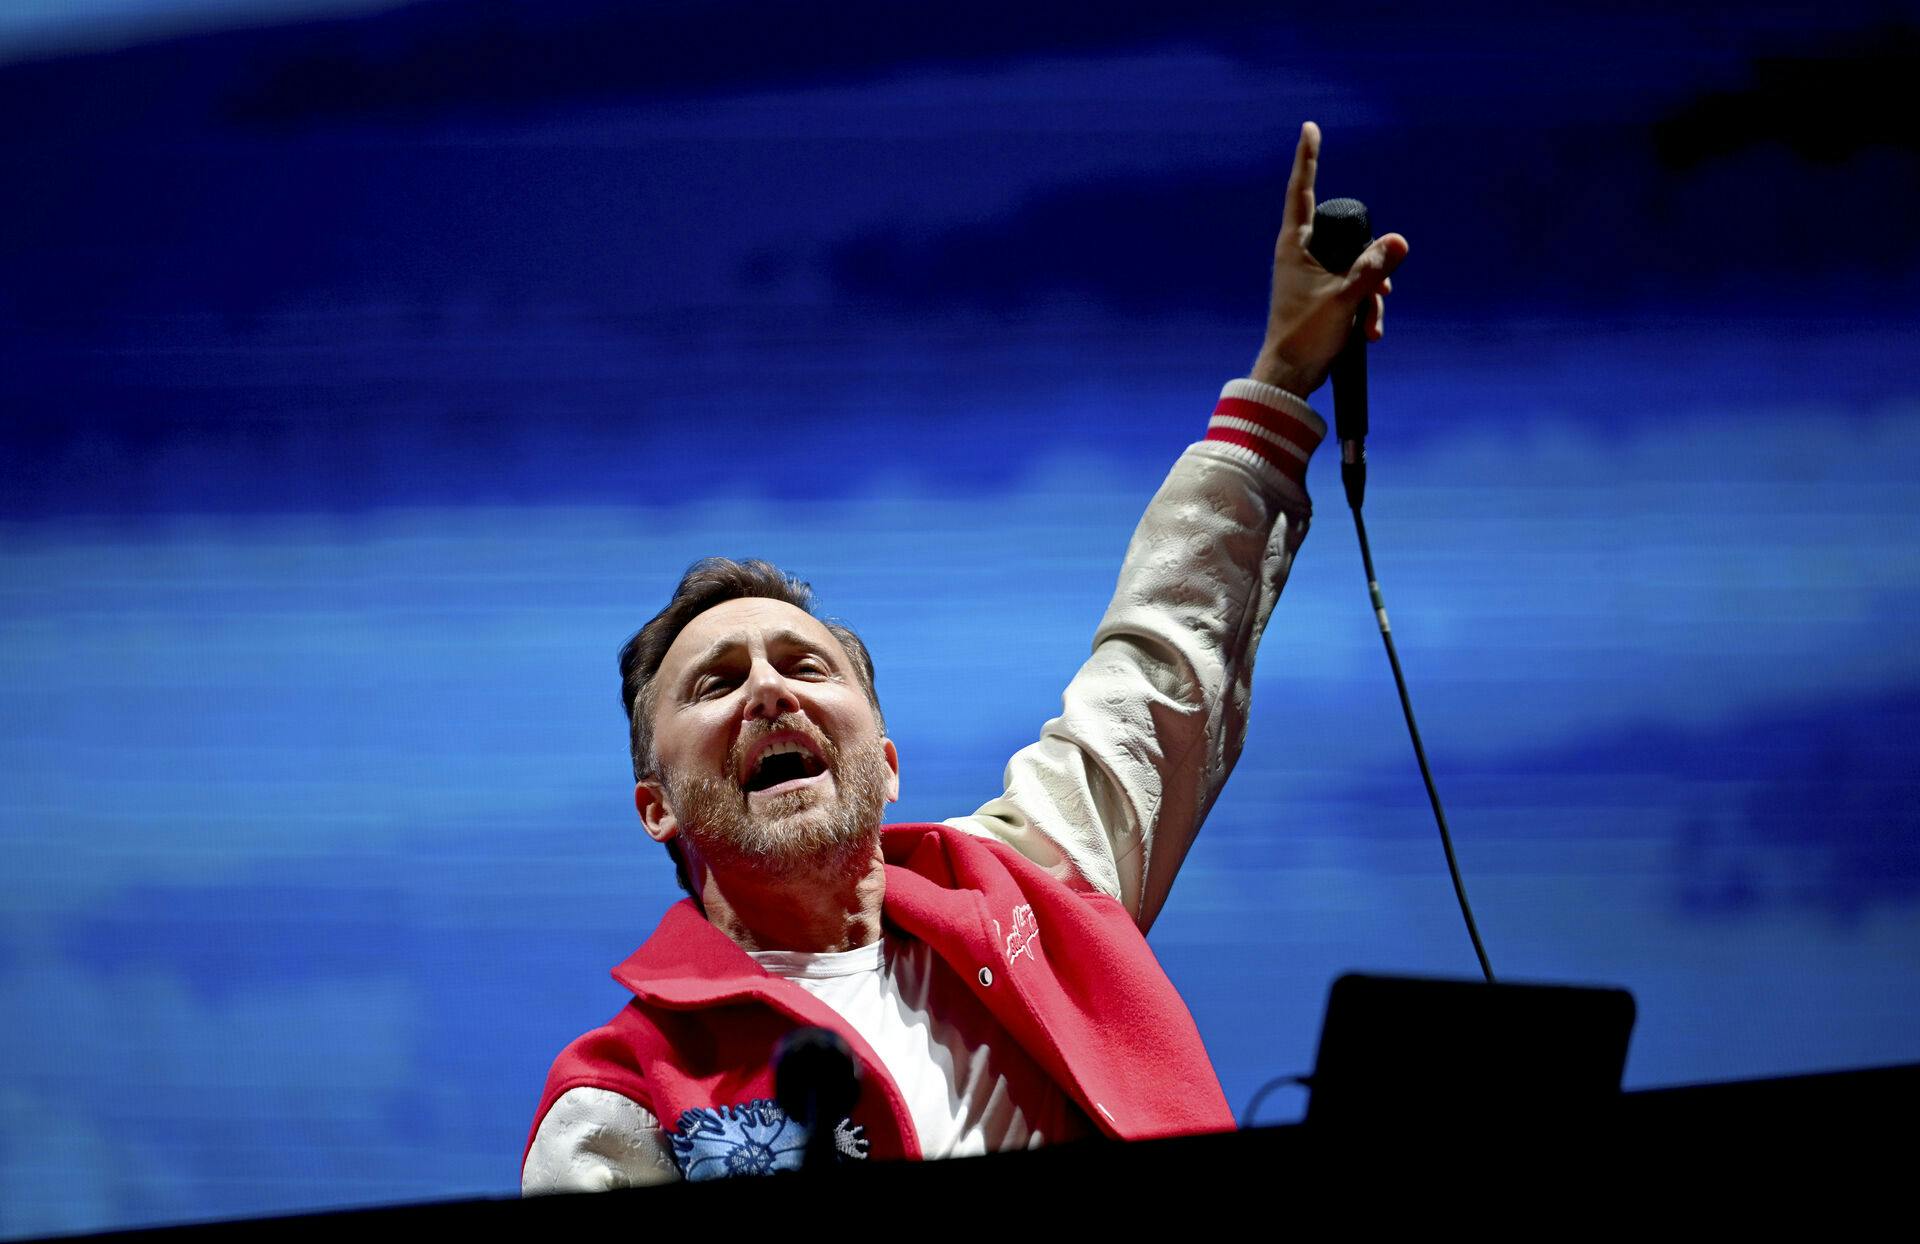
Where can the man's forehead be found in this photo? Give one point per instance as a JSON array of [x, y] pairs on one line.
[[745, 619]]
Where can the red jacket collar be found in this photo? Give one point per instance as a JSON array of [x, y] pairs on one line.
[[688, 963]]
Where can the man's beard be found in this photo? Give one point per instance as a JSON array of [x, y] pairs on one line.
[[791, 832]]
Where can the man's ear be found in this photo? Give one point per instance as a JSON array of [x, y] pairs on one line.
[[650, 801], [892, 754]]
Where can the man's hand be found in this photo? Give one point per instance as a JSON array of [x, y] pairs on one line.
[[1312, 308]]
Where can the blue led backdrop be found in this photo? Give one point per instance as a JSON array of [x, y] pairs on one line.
[[369, 372]]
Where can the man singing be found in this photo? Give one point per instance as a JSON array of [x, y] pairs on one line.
[[991, 972]]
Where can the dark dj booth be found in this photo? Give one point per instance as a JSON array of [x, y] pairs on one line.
[[1427, 1096], [1836, 1145]]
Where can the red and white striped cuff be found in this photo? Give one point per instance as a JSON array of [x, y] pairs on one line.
[[1269, 427]]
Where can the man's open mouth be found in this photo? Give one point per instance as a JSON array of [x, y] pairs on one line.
[[785, 761]]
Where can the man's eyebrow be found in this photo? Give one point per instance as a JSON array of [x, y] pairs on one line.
[[719, 648]]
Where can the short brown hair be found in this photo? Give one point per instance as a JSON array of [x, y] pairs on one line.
[[709, 582]]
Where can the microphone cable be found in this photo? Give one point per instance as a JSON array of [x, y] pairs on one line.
[[1304, 1080], [1342, 230], [1419, 749]]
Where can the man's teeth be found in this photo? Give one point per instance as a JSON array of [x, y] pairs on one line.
[[809, 766]]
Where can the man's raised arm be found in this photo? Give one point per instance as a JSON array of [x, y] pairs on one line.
[[1118, 785]]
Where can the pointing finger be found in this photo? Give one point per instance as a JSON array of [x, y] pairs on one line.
[[1298, 217]]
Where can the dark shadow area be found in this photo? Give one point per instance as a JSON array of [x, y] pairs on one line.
[[1826, 100], [437, 59]]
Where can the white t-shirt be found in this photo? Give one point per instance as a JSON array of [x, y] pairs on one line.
[[969, 1088]]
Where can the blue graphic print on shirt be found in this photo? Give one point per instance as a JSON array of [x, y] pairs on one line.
[[753, 1138]]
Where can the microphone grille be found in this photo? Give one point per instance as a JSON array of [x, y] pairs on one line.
[[1341, 230]]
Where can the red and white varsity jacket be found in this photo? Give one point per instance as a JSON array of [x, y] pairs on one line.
[[1039, 900], [1063, 968]]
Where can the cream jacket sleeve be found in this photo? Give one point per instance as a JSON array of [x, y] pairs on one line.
[[1118, 784], [593, 1140]]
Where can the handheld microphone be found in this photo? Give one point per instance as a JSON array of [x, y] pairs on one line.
[[1341, 231], [816, 1082]]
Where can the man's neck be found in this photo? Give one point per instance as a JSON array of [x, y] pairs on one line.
[[829, 907]]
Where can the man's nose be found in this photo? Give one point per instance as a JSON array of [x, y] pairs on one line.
[[768, 693]]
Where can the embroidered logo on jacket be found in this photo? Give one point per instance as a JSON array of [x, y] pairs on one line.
[[1026, 931], [754, 1138]]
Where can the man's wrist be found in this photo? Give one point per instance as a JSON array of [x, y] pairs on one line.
[[1273, 370]]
